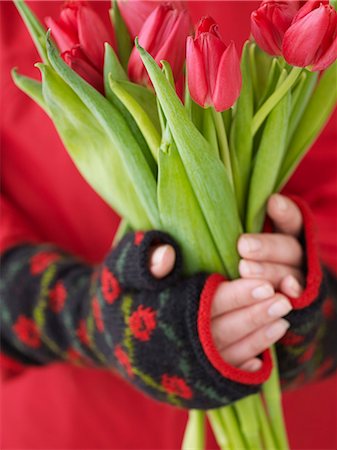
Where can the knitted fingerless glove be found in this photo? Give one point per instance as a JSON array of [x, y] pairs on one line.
[[120, 316]]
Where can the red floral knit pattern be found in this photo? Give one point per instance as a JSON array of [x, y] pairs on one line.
[[57, 297], [176, 386], [27, 332], [142, 323], [110, 286]]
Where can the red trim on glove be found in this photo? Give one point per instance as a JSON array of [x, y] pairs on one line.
[[206, 339], [314, 272]]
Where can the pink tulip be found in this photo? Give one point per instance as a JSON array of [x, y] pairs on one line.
[[269, 23], [80, 34], [213, 69], [163, 36], [311, 40], [135, 12]]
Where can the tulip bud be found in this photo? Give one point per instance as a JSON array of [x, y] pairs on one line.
[[269, 23], [311, 40], [163, 36], [213, 69], [135, 12], [80, 35]]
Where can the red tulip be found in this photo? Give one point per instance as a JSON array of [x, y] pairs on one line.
[[135, 12], [311, 40], [213, 69], [163, 36], [80, 35], [270, 22]]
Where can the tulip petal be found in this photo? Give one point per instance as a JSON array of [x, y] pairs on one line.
[[327, 58], [92, 36], [197, 81], [304, 37], [228, 81], [172, 48], [64, 39], [77, 61], [147, 36], [212, 49]]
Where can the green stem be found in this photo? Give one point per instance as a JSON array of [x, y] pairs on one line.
[[194, 437], [223, 143], [218, 428], [232, 427], [272, 101], [265, 427], [272, 394], [246, 411]]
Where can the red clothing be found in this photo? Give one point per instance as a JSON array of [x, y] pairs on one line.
[[45, 199]]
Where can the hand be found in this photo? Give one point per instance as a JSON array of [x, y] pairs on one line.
[[246, 316]]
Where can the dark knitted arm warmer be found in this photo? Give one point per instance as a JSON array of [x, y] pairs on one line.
[[117, 315], [307, 352]]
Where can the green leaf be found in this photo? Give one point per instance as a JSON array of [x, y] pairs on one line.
[[36, 30], [112, 66], [268, 161], [205, 171], [30, 87], [143, 121], [118, 131], [91, 149], [124, 43], [241, 139], [316, 114], [182, 217]]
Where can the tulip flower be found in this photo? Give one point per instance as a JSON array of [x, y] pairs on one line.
[[163, 36], [269, 23], [311, 40], [213, 69], [80, 35], [135, 12]]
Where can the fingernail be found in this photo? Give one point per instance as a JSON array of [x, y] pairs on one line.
[[277, 330], [249, 244], [281, 203], [263, 292], [250, 268], [158, 255], [279, 308], [252, 366], [293, 286]]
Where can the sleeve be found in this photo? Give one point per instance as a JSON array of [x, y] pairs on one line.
[[307, 352], [154, 333]]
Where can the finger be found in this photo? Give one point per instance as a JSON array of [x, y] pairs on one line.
[[291, 287], [236, 294], [278, 248], [161, 260], [251, 365], [285, 214], [272, 272], [254, 344], [234, 326]]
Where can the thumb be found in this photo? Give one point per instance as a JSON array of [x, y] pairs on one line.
[[161, 260]]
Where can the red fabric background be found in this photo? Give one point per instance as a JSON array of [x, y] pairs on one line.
[[45, 199]]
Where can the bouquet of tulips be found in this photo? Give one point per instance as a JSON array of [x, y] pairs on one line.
[[192, 142]]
